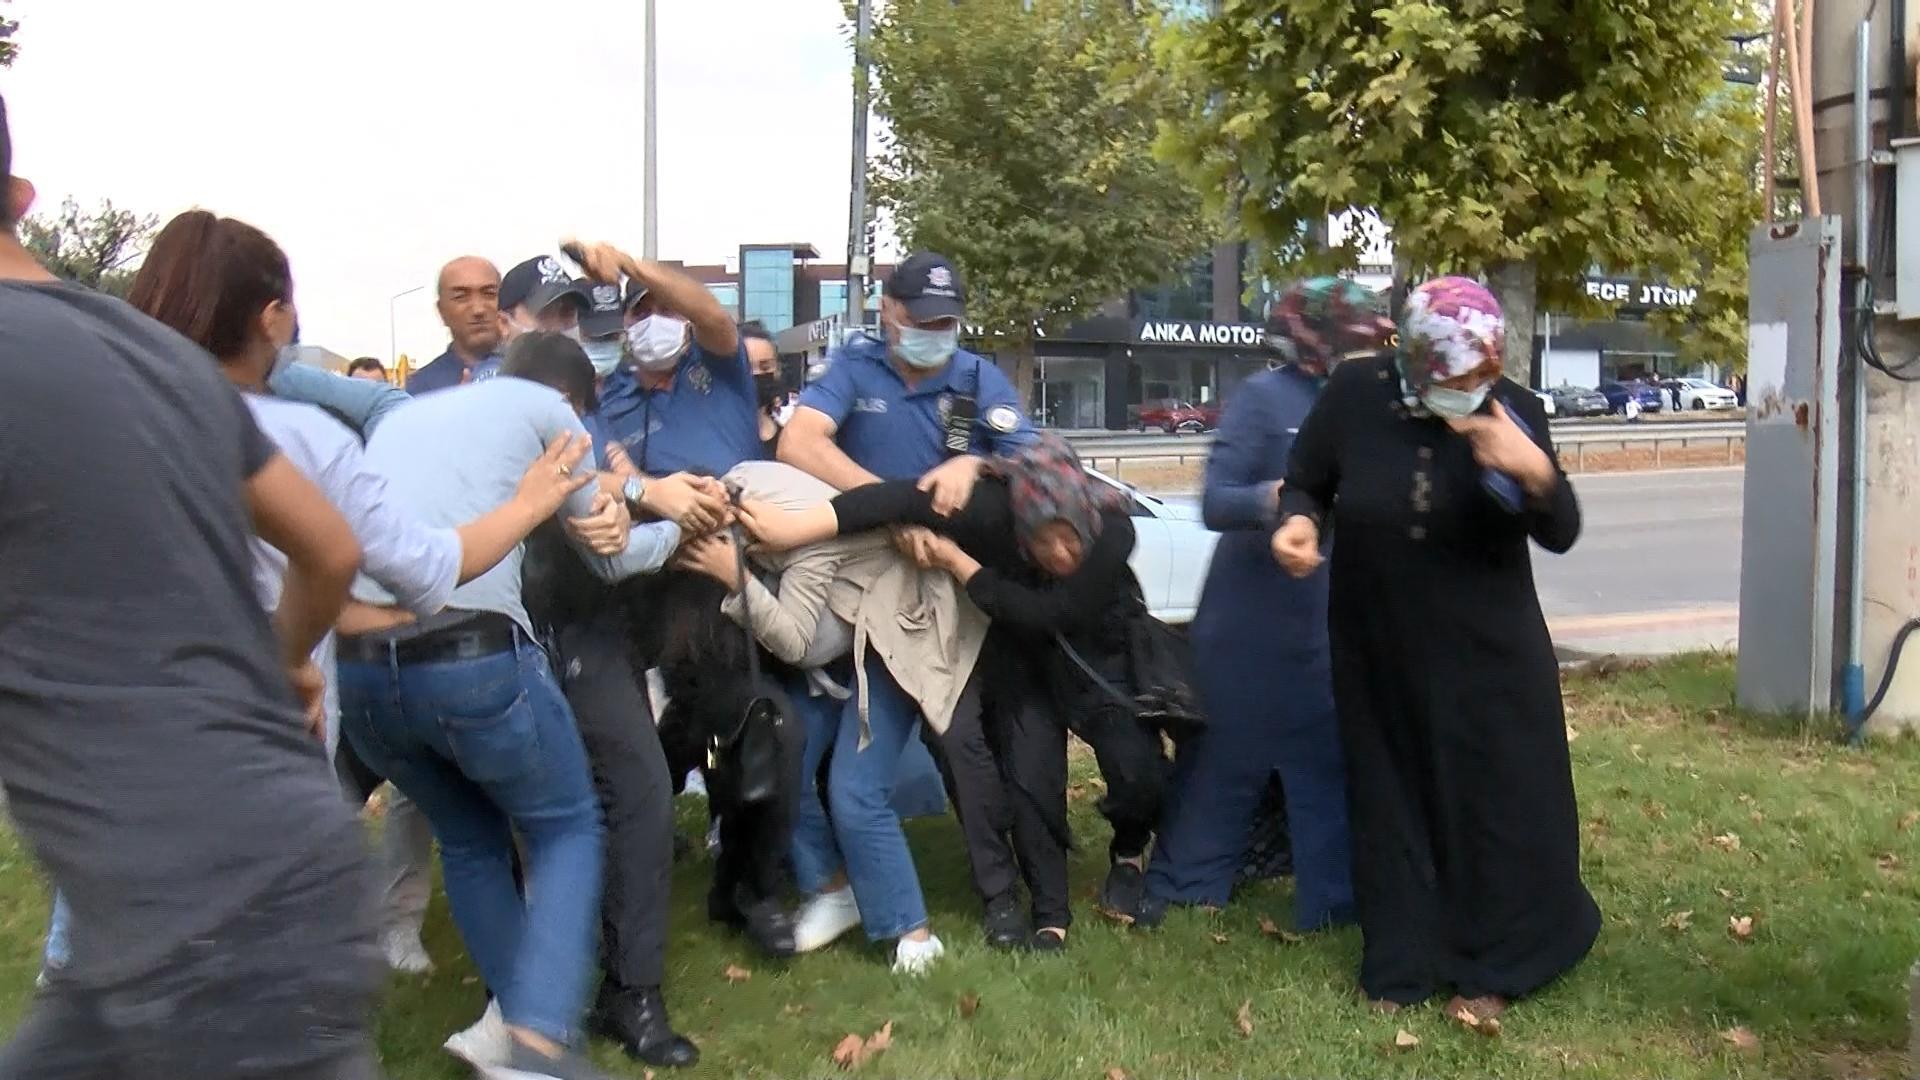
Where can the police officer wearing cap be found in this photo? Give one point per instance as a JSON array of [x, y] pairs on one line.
[[908, 402], [587, 634], [538, 294]]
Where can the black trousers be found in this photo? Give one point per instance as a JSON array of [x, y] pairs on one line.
[[593, 659], [752, 867], [977, 788], [1037, 711]]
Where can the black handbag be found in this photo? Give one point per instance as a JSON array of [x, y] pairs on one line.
[[1162, 696], [746, 760]]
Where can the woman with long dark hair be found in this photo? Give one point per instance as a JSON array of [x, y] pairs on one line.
[[1432, 473]]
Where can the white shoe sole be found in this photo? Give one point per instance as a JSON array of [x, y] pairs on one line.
[[806, 944]]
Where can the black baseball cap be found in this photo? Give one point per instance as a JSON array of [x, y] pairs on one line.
[[606, 315], [929, 286], [538, 283], [635, 291]]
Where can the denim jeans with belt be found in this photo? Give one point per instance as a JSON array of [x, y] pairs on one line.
[[487, 748], [864, 833]]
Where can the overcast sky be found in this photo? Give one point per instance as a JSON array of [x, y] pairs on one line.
[[375, 139]]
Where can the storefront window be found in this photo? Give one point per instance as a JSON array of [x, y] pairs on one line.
[[1189, 296], [1070, 391], [1158, 381]]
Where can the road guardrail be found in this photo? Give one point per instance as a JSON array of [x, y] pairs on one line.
[[1107, 450]]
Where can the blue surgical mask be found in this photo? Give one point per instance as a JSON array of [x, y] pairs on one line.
[[926, 349], [605, 355], [1450, 404]]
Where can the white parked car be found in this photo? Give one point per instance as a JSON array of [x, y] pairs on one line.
[[1171, 552], [1701, 394]]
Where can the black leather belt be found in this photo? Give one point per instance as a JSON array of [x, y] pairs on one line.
[[483, 636]]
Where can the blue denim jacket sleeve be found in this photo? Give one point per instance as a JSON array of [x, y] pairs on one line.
[[361, 403]]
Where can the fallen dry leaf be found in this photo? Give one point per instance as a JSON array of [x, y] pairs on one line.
[[850, 1052], [1220, 939], [1571, 734], [1741, 1038], [1118, 1073], [1678, 920], [969, 1004], [1405, 1040], [1268, 928], [1909, 819], [1727, 841], [1725, 894], [882, 1039], [1757, 817], [1490, 1027], [1888, 862], [737, 974], [648, 1075], [1741, 927], [1244, 1019]]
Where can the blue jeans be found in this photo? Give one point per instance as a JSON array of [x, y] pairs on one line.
[[864, 834], [59, 935], [487, 747]]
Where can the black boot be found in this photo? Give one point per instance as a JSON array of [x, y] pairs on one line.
[[637, 1020], [770, 927], [1007, 925]]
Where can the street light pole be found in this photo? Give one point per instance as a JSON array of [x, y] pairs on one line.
[[650, 237], [393, 321], [858, 257]]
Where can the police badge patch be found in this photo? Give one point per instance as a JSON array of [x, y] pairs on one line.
[[1004, 419], [700, 378]]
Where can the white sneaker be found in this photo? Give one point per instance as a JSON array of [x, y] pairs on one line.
[[824, 918], [485, 1045], [912, 957], [405, 952]]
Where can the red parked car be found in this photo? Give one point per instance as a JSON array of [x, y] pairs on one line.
[[1174, 416]]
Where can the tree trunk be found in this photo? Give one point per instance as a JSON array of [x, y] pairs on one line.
[[1517, 286], [1022, 373]]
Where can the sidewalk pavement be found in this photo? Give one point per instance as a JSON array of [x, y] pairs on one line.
[[1647, 633]]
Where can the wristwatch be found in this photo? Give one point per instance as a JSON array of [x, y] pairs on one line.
[[633, 491]]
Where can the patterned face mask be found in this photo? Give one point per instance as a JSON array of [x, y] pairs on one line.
[[1316, 323], [1451, 328]]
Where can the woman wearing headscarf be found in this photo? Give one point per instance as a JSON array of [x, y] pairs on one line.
[[1260, 651], [1042, 550], [1433, 472]]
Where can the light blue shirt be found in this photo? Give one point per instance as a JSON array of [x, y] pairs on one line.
[[457, 454], [361, 403], [419, 565]]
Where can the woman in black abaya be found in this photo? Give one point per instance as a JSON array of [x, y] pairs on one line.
[[1433, 472]]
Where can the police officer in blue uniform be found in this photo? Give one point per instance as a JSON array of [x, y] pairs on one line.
[[677, 413], [908, 402]]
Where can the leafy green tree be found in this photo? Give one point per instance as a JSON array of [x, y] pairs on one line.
[[92, 248], [1021, 146], [1524, 140], [8, 47]]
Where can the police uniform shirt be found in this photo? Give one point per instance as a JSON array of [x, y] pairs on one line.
[[706, 420], [447, 371], [897, 432]]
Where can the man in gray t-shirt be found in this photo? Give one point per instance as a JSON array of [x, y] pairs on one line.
[[225, 937]]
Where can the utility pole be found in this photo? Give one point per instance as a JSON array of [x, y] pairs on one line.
[[859, 259], [650, 236]]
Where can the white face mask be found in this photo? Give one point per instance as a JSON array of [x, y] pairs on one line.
[[604, 354], [657, 342], [1450, 404]]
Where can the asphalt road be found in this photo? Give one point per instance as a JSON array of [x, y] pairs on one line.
[[1657, 568]]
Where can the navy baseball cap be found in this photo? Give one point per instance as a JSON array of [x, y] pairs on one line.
[[538, 283], [635, 293], [606, 315], [929, 286]]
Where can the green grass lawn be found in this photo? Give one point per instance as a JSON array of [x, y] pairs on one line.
[[1669, 777]]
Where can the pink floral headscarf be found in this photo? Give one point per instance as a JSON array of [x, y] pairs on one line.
[[1450, 327]]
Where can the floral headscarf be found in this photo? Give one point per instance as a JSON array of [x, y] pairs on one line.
[[1450, 327], [1316, 322], [1046, 483]]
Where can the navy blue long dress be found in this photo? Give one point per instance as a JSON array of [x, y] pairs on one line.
[[1264, 675]]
